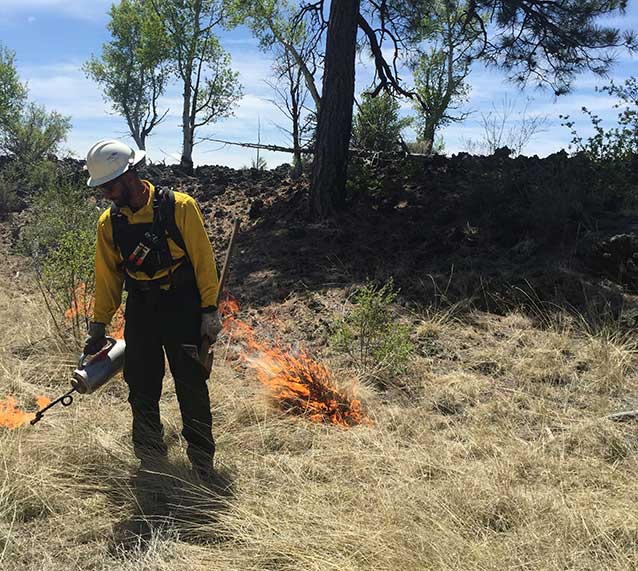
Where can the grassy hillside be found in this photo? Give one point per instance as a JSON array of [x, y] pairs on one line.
[[491, 452]]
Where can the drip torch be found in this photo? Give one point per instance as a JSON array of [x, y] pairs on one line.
[[93, 372]]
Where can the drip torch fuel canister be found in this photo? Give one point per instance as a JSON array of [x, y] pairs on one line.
[[95, 372]]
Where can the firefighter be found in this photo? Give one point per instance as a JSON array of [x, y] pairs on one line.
[[153, 243]]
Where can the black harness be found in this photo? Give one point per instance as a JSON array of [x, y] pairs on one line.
[[144, 247]]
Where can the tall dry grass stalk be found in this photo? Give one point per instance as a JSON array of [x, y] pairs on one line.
[[497, 456]]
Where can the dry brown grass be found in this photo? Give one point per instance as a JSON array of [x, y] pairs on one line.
[[493, 453]]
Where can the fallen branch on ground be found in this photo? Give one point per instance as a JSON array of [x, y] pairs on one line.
[[623, 416]]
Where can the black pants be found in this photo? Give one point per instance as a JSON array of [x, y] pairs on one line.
[[161, 320]]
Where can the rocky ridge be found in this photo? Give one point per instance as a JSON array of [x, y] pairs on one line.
[[495, 231]]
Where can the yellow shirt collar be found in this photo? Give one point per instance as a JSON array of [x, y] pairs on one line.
[[149, 202]]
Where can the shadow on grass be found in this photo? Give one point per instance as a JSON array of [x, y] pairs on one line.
[[169, 501]]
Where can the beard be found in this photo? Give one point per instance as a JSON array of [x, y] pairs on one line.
[[123, 199]]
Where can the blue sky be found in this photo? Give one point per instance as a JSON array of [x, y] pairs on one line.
[[52, 38]]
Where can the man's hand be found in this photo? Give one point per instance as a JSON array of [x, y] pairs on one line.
[[96, 338], [211, 326]]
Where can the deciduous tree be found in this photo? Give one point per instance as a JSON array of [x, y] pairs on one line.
[[36, 134], [440, 68], [279, 26], [211, 88], [13, 93], [133, 69], [290, 98]]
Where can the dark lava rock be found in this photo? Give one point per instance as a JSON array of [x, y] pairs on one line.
[[617, 258], [256, 208]]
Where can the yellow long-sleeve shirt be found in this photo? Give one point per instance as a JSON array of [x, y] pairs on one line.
[[109, 274]]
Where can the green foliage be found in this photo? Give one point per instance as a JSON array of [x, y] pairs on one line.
[[377, 125], [36, 134], [617, 143], [8, 198], [221, 90], [279, 29], [371, 335], [362, 179], [441, 67], [60, 240], [266, 18], [13, 93], [133, 69], [613, 150], [28, 132], [31, 140]]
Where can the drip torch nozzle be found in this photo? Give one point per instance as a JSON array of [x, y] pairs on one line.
[[66, 400]]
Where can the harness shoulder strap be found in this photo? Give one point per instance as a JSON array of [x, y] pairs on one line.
[[117, 220], [164, 208]]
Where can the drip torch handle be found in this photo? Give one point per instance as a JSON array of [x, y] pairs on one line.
[[205, 352], [103, 350]]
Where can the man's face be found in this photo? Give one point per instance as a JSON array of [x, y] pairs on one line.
[[116, 190]]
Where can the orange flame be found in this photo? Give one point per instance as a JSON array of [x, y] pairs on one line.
[[82, 304], [12, 417], [298, 383]]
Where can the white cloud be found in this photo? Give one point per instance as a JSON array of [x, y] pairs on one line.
[[254, 67], [250, 109], [64, 88]]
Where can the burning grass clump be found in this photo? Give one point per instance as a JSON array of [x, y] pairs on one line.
[[301, 385], [297, 383], [11, 416]]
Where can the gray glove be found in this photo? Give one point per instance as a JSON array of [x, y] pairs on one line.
[[211, 326], [96, 338]]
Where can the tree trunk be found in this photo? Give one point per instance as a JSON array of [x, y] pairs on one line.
[[296, 135], [334, 125], [186, 163], [140, 141], [428, 137]]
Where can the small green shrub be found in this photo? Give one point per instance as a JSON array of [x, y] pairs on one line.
[[259, 163], [371, 335], [377, 127], [613, 150], [36, 134], [362, 180], [619, 142], [60, 239]]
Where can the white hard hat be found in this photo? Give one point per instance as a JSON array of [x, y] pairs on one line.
[[108, 159]]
